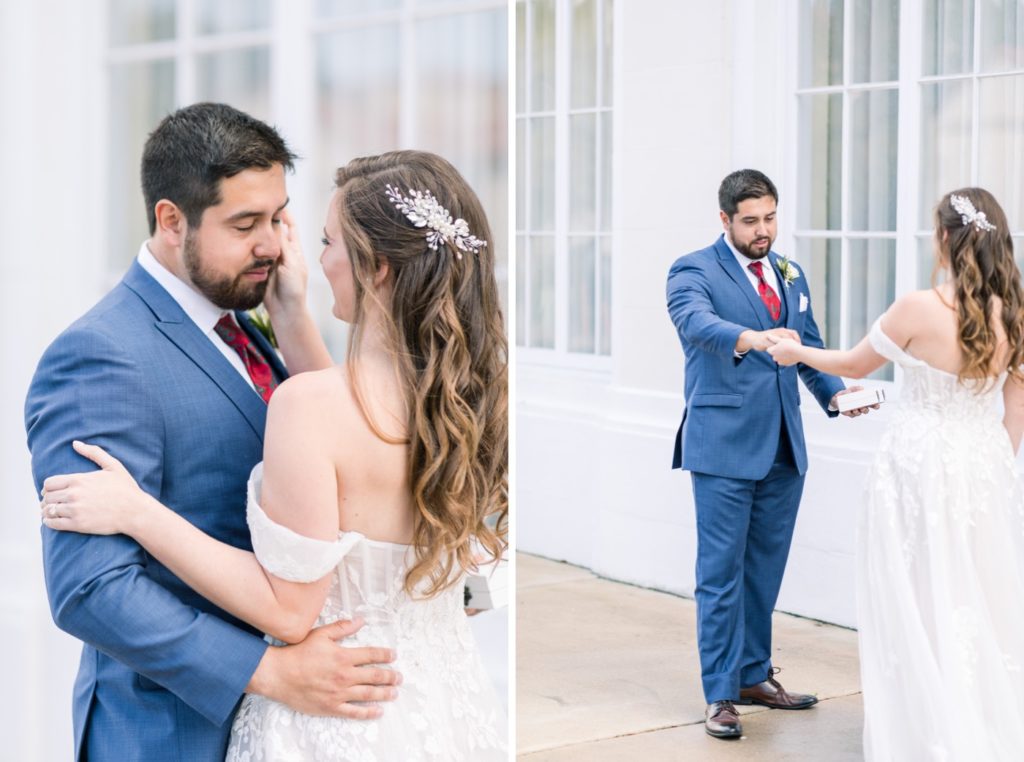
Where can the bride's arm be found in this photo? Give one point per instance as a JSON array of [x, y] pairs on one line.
[[851, 363], [296, 475], [900, 323], [1013, 416]]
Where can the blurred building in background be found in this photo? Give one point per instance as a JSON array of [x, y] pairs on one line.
[[83, 84], [628, 115]]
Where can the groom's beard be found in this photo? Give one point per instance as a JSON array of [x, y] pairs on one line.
[[224, 291], [763, 246]]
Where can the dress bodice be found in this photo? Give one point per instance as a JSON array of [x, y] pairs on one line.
[[446, 708], [367, 578], [937, 395]]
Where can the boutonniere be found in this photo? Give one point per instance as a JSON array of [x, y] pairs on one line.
[[261, 321], [788, 270]]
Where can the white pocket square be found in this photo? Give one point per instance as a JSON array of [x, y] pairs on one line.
[[804, 301]]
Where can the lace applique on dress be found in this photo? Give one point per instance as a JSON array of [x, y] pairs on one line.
[[940, 573], [446, 709]]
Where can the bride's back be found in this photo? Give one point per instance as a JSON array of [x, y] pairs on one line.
[[934, 331], [372, 471]]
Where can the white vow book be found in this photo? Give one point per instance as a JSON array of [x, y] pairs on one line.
[[862, 398]]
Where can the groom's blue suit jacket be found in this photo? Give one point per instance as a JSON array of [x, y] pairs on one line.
[[735, 406], [162, 669]]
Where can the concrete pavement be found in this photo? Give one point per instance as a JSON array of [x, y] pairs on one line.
[[609, 672]]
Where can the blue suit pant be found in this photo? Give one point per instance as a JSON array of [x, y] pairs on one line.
[[744, 530]]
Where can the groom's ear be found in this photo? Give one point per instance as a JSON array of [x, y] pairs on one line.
[[170, 222], [725, 220]]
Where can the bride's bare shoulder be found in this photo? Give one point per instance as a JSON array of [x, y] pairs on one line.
[[315, 392]]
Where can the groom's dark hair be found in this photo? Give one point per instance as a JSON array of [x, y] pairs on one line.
[[741, 185], [196, 147]]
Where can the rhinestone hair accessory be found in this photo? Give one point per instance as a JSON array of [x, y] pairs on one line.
[[968, 214], [425, 211]]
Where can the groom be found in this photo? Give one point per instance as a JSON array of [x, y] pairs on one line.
[[169, 376], [742, 440]]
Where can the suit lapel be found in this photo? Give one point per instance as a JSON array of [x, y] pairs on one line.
[[179, 329], [734, 271], [788, 292], [273, 359]]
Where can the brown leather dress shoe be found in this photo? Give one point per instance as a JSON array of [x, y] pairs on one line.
[[771, 694], [721, 720]]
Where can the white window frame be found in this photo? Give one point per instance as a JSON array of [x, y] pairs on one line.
[[560, 356], [291, 36], [909, 86]]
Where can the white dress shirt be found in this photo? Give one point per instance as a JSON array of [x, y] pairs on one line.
[[200, 310], [744, 262]]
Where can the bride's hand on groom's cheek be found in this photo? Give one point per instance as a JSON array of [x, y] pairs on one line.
[[98, 502], [287, 289]]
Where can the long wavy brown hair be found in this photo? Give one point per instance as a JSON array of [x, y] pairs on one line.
[[983, 271], [444, 323]]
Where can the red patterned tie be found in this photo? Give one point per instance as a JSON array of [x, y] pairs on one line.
[[768, 295], [255, 362]]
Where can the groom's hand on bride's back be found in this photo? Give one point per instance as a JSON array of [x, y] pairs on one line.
[[319, 677]]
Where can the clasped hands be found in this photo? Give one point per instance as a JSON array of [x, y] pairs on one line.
[[784, 345]]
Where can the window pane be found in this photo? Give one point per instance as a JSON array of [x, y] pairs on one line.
[[928, 273], [461, 82], [141, 94], [521, 178], [542, 55], [821, 42], [873, 172], [357, 95], [238, 77], [521, 104], [1002, 35], [606, 51], [872, 275], [945, 143], [354, 7], [604, 303], [820, 260], [583, 172], [584, 53], [820, 193], [948, 44], [606, 171], [876, 34], [521, 306], [447, 3], [542, 291], [218, 16], [582, 267], [542, 173], [1001, 147], [133, 21]]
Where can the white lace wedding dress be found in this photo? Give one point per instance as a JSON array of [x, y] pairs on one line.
[[940, 596], [446, 709]]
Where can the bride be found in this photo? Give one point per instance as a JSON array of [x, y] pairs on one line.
[[384, 478], [940, 563]]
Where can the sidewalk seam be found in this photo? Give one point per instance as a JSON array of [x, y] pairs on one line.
[[659, 729]]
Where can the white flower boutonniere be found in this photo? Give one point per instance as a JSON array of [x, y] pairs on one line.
[[788, 270]]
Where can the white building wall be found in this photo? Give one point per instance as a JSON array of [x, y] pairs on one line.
[[52, 271], [701, 89]]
